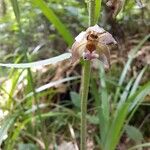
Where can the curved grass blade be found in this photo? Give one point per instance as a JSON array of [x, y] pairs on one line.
[[51, 16], [22, 125], [125, 93], [104, 117], [49, 85], [137, 81], [127, 66], [140, 146], [5, 126], [49, 61], [120, 116], [16, 9], [97, 9]]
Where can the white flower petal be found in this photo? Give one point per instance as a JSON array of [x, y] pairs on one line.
[[95, 28], [81, 36], [107, 39]]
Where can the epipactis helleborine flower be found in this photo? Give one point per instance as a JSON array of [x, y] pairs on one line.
[[94, 43]]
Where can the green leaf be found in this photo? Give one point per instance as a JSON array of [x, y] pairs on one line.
[[140, 146], [93, 119], [121, 115], [134, 133], [29, 146], [75, 98], [17, 131], [97, 9], [127, 66], [51, 16], [5, 125], [16, 9], [49, 85], [49, 61], [104, 117], [138, 97], [125, 93], [137, 81], [104, 93]]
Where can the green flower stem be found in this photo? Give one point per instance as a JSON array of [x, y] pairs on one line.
[[85, 83]]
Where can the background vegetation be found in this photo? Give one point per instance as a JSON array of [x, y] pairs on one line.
[[40, 107]]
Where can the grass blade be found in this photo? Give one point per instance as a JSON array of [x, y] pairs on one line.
[[51, 16], [97, 9], [120, 116], [16, 9], [104, 112], [140, 146], [5, 127], [104, 94], [17, 131], [49, 85], [127, 66], [49, 61], [124, 95], [137, 81]]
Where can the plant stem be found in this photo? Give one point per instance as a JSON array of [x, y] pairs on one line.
[[85, 83]]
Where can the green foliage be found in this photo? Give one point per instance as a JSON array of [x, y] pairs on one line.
[[7, 124], [97, 9], [134, 134], [16, 9], [49, 61], [75, 97], [29, 146], [34, 112], [55, 20]]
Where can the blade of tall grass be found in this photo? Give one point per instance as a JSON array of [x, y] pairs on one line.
[[125, 93], [127, 66], [134, 88], [14, 79], [7, 123], [104, 93], [52, 60], [140, 146], [16, 9], [34, 108], [20, 126], [97, 9], [120, 116], [51, 16], [104, 110], [49, 85], [137, 81], [132, 92]]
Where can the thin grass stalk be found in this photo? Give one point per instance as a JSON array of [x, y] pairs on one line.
[[85, 83]]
